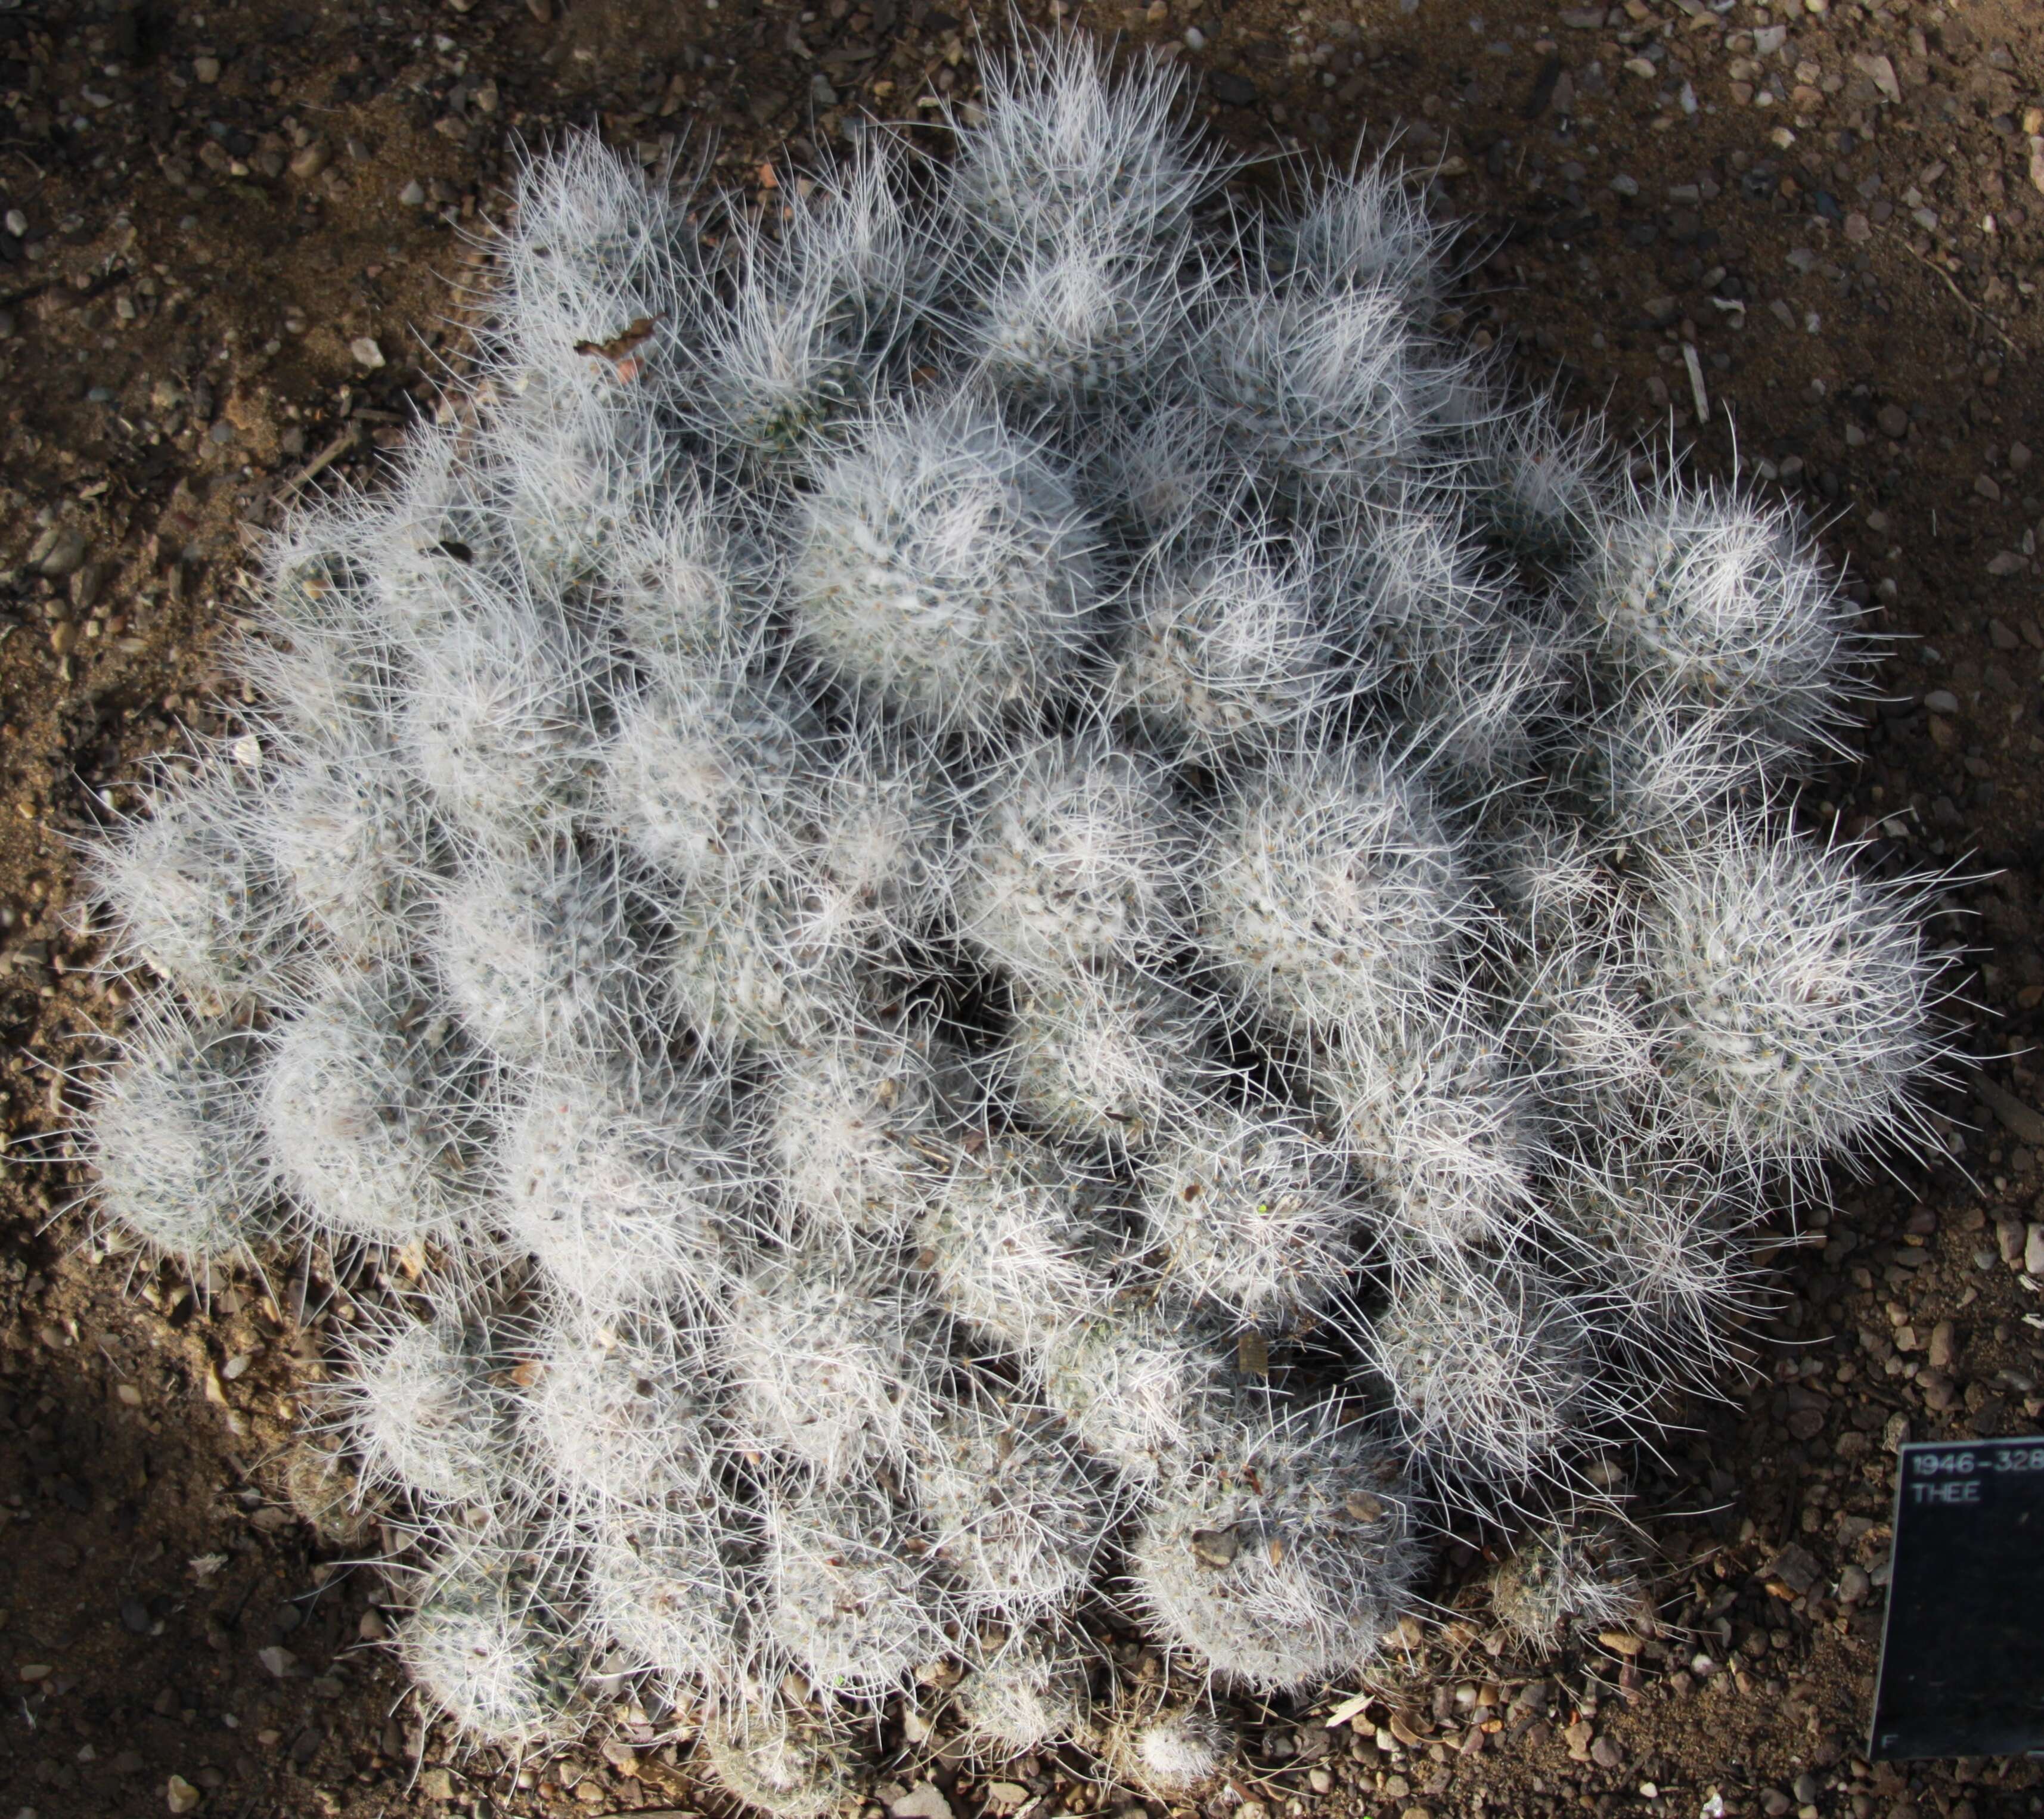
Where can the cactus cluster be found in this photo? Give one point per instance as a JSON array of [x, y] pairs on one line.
[[1004, 896]]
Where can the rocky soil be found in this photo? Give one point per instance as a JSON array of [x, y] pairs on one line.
[[237, 243]]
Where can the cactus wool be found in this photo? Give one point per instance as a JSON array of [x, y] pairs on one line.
[[1008, 898]]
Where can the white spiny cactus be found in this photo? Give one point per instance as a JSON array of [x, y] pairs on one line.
[[1725, 601], [751, 969], [620, 1186], [1164, 477], [500, 727], [1013, 1239], [371, 1100], [175, 1139], [1077, 321], [1658, 772], [429, 1406], [855, 1598], [1574, 1573], [351, 836], [1583, 1030], [1540, 484], [193, 894], [1794, 999], [1438, 1115], [850, 1129], [1323, 393], [492, 1642], [781, 366], [592, 247], [1284, 1555], [1413, 584], [1078, 852], [1477, 715], [1024, 1690], [1012, 1511], [1493, 1369], [671, 1589], [704, 780], [1366, 231], [323, 661], [1063, 146], [1107, 1057], [1253, 1211], [685, 587], [877, 864], [946, 568], [1661, 1243], [833, 1363], [1141, 1385], [537, 953], [1231, 648], [620, 1412], [956, 862], [413, 545], [789, 1760], [1172, 1751], [1332, 896]]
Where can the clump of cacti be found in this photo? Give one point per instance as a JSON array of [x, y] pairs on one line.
[[998, 889]]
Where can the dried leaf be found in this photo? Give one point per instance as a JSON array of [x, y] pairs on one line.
[[618, 345], [1353, 1706]]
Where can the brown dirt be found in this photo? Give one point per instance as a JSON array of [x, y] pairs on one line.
[[215, 209]]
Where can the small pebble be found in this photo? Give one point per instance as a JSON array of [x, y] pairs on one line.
[[2033, 1251], [180, 1796], [365, 351], [1894, 421], [413, 194], [59, 552], [277, 1661]]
